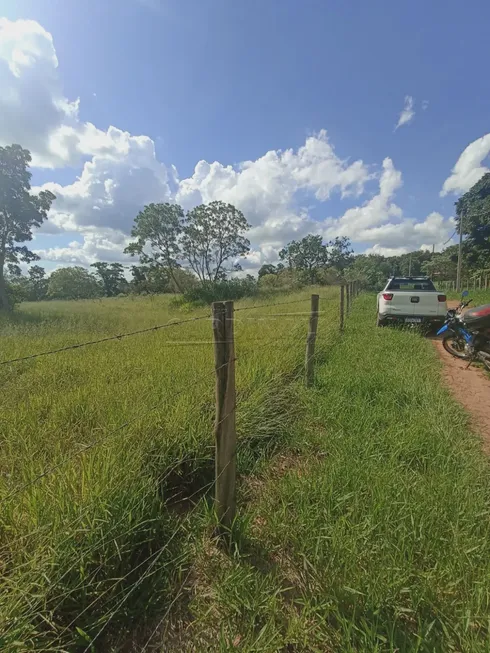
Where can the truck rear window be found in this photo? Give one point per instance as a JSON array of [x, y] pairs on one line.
[[411, 284]]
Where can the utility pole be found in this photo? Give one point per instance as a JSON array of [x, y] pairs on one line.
[[410, 265], [460, 251]]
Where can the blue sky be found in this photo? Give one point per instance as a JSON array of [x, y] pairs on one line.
[[228, 82]]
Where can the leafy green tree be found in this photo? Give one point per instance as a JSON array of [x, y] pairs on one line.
[[73, 283], [20, 211], [213, 235], [206, 238], [307, 255], [37, 283], [410, 264], [442, 265], [111, 276], [267, 268], [138, 283], [372, 269], [474, 208], [340, 253], [187, 280], [158, 231]]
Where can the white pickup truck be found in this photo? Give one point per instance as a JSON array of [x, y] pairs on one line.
[[411, 300]]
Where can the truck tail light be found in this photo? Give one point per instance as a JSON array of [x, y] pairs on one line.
[[388, 296], [441, 298]]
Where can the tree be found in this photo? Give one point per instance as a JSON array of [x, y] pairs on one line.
[[372, 269], [73, 283], [37, 283], [20, 211], [307, 254], [213, 234], [340, 254], [111, 275], [267, 268], [158, 230], [474, 208], [186, 280], [442, 265]]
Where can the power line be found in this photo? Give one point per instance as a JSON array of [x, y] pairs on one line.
[[450, 238]]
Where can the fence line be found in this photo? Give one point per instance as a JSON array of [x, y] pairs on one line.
[[226, 405], [106, 339], [157, 327], [479, 282], [103, 439]]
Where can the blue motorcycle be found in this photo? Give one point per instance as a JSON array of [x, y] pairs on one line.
[[467, 335]]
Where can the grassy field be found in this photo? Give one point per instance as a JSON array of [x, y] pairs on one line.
[[364, 521], [97, 546], [374, 536], [478, 296]]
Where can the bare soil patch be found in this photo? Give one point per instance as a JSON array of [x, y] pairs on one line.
[[470, 386]]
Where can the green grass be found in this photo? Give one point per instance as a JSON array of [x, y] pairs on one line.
[[374, 536], [479, 297], [100, 544]]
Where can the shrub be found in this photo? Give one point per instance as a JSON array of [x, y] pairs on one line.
[[218, 291], [285, 280]]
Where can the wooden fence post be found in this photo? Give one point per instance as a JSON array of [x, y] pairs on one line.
[[342, 306], [310, 342], [224, 428], [347, 298]]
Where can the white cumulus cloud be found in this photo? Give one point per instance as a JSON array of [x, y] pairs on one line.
[[120, 172], [468, 168], [267, 186], [380, 221], [407, 114]]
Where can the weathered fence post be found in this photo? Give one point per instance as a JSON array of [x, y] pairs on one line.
[[310, 342], [224, 428], [342, 306], [347, 298]]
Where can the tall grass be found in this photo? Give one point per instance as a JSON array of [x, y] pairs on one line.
[[479, 297], [97, 545], [376, 535]]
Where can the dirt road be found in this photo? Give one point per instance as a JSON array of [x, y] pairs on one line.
[[470, 386]]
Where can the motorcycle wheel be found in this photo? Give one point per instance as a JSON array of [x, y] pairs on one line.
[[455, 345]]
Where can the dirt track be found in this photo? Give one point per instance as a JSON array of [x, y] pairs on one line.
[[471, 387]]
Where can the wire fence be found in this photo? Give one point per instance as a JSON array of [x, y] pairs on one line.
[[476, 282], [108, 599]]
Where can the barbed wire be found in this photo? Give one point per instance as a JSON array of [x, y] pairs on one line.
[[156, 555], [106, 339], [157, 327], [103, 439], [249, 308], [167, 611]]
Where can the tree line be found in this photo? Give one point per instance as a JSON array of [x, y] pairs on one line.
[[196, 253]]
